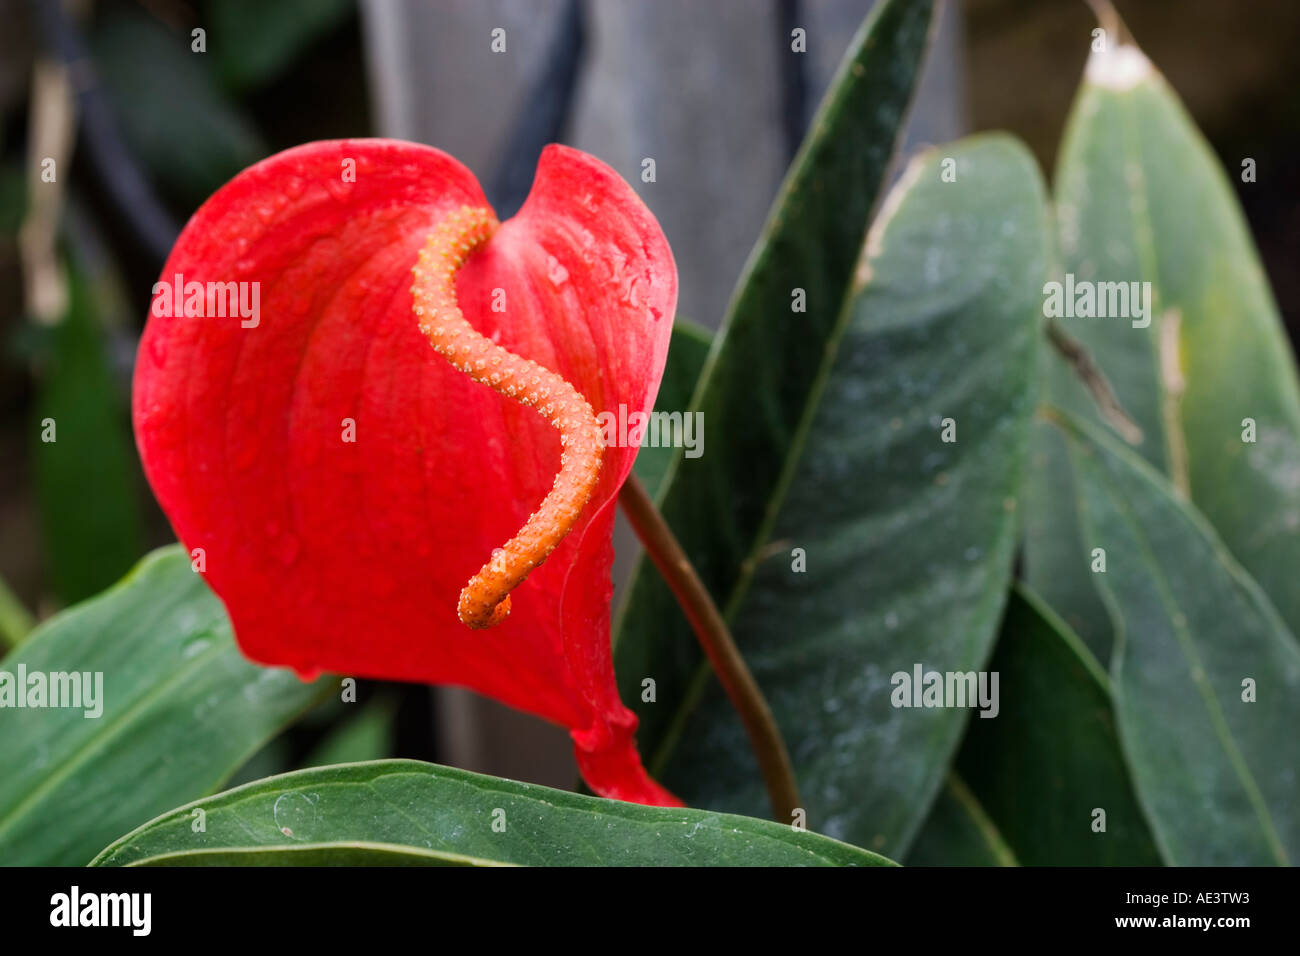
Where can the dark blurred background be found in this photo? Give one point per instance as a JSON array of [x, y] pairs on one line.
[[142, 126]]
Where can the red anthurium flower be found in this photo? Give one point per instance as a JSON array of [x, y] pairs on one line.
[[373, 409]]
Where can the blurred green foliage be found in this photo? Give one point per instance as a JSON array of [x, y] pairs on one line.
[[186, 131], [254, 42], [82, 457]]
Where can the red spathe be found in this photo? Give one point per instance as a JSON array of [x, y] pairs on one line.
[[345, 481]]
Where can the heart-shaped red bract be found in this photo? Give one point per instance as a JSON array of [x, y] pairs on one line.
[[344, 481]]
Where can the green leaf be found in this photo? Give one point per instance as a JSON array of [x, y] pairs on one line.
[[181, 709], [253, 42], [908, 539], [83, 461], [1141, 197], [1056, 565], [1206, 676], [686, 356], [959, 833], [367, 736], [275, 757], [319, 854], [185, 130], [761, 376], [414, 808], [1051, 756], [16, 622]]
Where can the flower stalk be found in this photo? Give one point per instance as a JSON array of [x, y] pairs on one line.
[[714, 636]]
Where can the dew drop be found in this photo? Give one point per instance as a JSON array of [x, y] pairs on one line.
[[295, 814], [158, 349], [629, 294], [338, 188]]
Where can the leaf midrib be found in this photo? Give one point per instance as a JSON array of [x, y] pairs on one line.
[[988, 830], [111, 730]]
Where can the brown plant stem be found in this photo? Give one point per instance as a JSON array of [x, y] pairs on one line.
[[1095, 381], [711, 630]]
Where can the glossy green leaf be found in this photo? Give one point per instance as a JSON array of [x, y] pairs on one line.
[[890, 547], [1051, 758], [180, 709], [761, 377], [1142, 198], [1205, 674], [420, 808], [686, 356], [83, 461], [958, 832], [1056, 565], [322, 854]]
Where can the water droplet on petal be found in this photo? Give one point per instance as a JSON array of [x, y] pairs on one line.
[[629, 294]]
